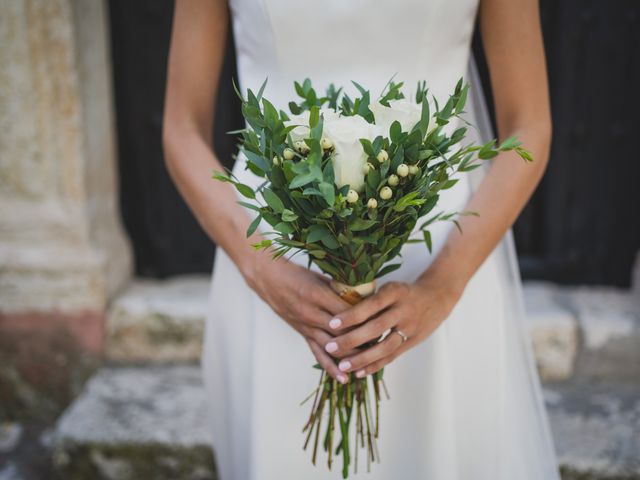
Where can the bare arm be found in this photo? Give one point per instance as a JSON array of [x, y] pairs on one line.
[[513, 44], [195, 59], [300, 297]]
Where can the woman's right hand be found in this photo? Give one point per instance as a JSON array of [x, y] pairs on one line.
[[304, 299]]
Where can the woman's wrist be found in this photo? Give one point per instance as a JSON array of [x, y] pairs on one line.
[[448, 282]]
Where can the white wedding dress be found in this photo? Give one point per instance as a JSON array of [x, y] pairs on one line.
[[466, 403]]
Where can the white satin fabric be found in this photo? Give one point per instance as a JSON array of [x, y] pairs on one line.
[[466, 403]]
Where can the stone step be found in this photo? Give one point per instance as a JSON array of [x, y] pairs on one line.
[[147, 422], [136, 423], [589, 332], [158, 321], [596, 429]]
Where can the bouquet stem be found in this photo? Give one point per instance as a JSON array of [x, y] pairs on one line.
[[342, 399]]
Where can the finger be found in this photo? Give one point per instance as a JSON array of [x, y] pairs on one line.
[[321, 337], [329, 300], [367, 308], [371, 330], [326, 362], [312, 316], [377, 365], [382, 362], [371, 355]]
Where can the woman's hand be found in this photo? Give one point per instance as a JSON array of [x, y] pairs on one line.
[[302, 298], [416, 309]]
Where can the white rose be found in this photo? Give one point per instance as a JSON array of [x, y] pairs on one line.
[[344, 133], [349, 157], [302, 130], [405, 111]]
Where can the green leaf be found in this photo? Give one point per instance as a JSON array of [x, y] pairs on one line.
[[328, 268], [294, 108], [283, 227], [449, 184], [330, 242], [509, 143], [328, 193], [314, 116], [462, 99], [388, 269], [360, 224], [254, 225], [250, 206], [395, 130], [317, 232], [310, 191], [289, 216], [221, 177], [302, 180], [273, 200], [525, 154], [245, 190], [427, 239], [256, 160], [263, 244], [261, 91]]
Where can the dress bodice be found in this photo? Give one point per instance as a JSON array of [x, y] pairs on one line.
[[342, 40]]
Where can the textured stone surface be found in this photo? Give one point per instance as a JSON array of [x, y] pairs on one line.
[[133, 423], [596, 430], [162, 321], [609, 320], [554, 331], [44, 361], [158, 320], [129, 418], [61, 246]]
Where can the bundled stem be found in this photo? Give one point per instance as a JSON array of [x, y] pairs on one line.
[[344, 401]]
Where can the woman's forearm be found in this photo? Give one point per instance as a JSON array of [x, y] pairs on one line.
[[191, 162], [498, 200]]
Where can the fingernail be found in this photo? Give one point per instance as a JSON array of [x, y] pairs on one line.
[[335, 323], [360, 373], [344, 365], [331, 347], [342, 379]]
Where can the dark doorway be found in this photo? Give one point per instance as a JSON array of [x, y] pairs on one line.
[[166, 238], [581, 226]]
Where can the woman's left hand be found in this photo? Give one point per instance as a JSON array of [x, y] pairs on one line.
[[416, 309]]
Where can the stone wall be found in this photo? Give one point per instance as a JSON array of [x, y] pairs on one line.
[[63, 253]]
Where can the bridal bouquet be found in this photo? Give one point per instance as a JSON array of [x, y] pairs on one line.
[[347, 180]]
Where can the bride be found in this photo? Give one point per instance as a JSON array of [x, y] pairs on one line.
[[465, 396]]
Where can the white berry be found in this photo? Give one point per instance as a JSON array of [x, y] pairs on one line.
[[352, 196], [367, 167], [386, 193], [301, 147], [326, 143], [288, 154], [393, 180], [402, 170], [414, 169], [372, 203], [276, 161], [383, 156]]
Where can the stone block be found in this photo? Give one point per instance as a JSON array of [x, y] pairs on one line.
[[554, 331], [609, 320], [134, 423], [596, 430], [158, 320]]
